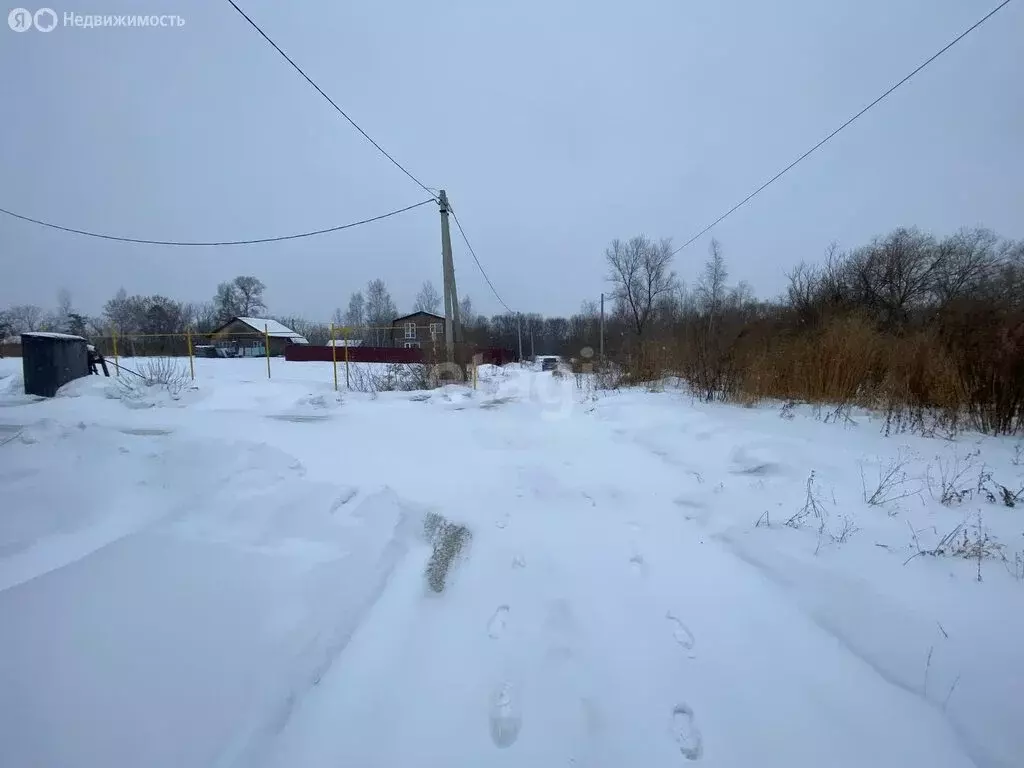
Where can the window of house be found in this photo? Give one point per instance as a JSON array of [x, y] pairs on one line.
[[412, 345], [410, 330], [435, 331]]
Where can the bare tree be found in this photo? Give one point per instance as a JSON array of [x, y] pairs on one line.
[[250, 295], [227, 302], [201, 316], [162, 315], [24, 317], [64, 308], [641, 272], [428, 299], [241, 297], [895, 274], [466, 312], [355, 316], [380, 309], [711, 288], [802, 291], [964, 262]]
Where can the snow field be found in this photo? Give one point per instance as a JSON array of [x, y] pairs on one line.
[[236, 577]]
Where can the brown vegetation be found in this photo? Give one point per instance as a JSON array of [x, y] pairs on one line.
[[930, 332]]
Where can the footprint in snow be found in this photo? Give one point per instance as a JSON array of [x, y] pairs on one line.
[[681, 633], [518, 561], [342, 499], [686, 733], [505, 719], [638, 564], [496, 625]]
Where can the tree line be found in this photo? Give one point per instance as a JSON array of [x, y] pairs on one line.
[[928, 329], [909, 322]]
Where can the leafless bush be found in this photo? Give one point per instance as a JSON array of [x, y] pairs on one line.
[[166, 373], [813, 505], [952, 487], [964, 541], [1018, 455], [954, 490], [1016, 568], [891, 482], [395, 377], [979, 547], [655, 385], [1010, 498], [362, 379], [845, 531], [607, 376]]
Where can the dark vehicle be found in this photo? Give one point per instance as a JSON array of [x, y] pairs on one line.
[[549, 363]]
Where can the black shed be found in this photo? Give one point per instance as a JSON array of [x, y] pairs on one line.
[[51, 360]]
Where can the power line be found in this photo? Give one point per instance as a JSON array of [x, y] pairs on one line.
[[478, 265], [810, 151], [330, 100], [223, 242]]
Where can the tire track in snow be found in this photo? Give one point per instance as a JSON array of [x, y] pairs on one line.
[[320, 653]]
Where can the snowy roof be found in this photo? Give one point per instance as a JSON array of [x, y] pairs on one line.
[[344, 342], [53, 335], [274, 328]]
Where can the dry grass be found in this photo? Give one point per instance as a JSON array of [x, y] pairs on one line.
[[936, 380]]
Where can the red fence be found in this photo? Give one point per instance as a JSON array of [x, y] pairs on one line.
[[303, 353]]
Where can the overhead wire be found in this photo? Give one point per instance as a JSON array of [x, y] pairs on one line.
[[434, 193], [195, 244], [848, 122], [331, 101], [478, 264]]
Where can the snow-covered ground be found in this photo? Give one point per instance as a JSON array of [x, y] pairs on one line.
[[238, 577]]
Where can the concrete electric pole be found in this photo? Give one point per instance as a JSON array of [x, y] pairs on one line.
[[520, 327], [452, 324]]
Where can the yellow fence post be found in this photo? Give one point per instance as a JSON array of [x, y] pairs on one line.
[[191, 365], [345, 334], [266, 346], [334, 357], [117, 366]]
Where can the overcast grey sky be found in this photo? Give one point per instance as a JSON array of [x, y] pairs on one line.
[[554, 127]]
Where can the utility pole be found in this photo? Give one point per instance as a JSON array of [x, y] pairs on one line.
[[533, 352], [452, 326], [601, 358], [520, 326]]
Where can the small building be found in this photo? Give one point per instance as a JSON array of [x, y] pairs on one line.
[[247, 336], [51, 360], [419, 330]]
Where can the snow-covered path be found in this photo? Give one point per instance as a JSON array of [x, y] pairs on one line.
[[616, 604]]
